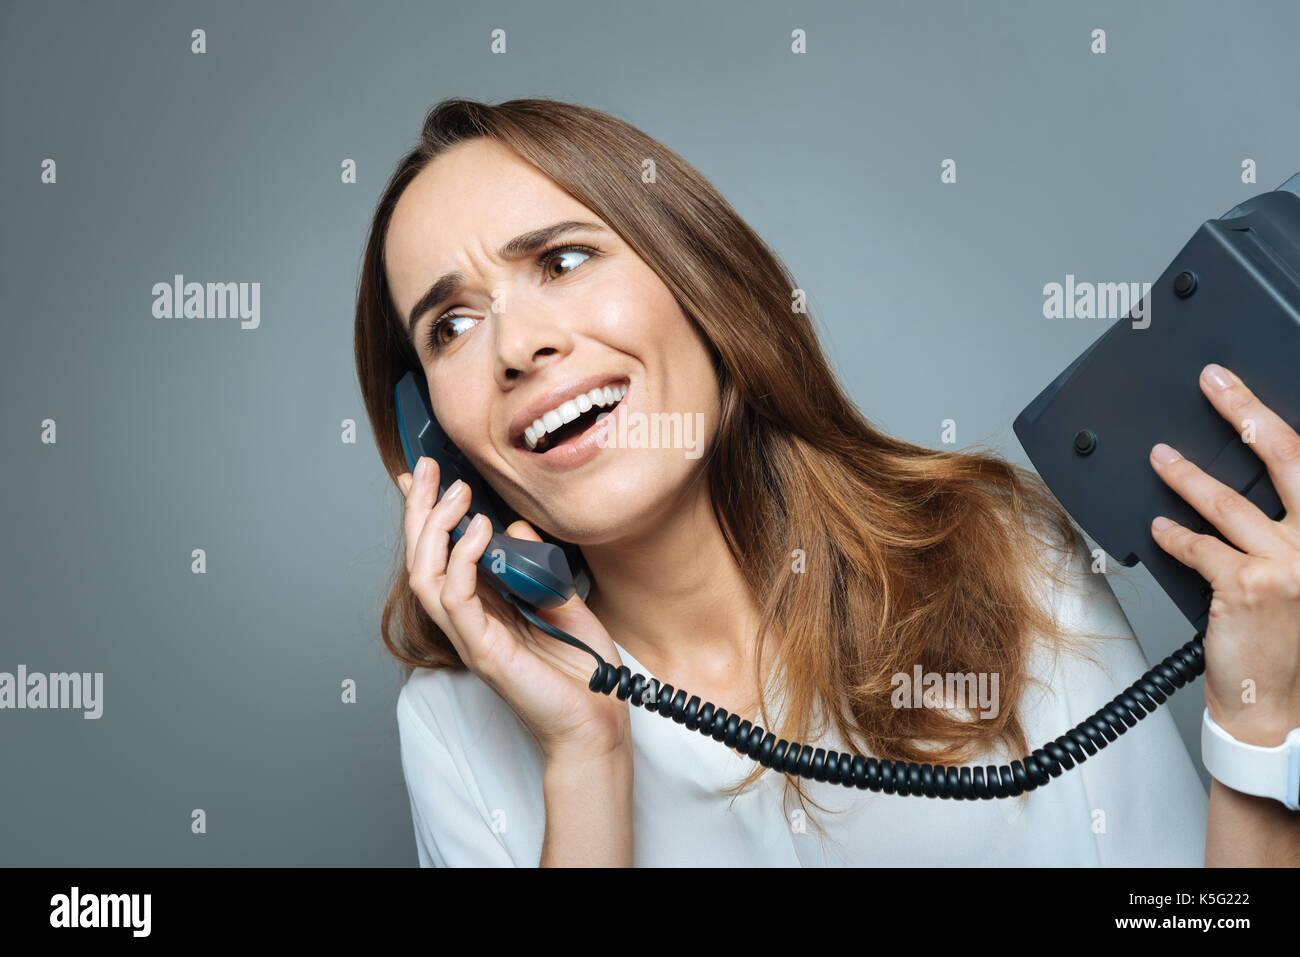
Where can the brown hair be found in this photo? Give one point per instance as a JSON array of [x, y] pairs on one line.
[[911, 556]]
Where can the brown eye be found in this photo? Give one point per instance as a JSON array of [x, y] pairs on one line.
[[455, 323], [562, 257], [446, 328]]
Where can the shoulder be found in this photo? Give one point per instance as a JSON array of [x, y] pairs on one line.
[[1096, 649], [1145, 800], [1097, 635], [437, 712], [442, 702], [459, 713], [472, 770]]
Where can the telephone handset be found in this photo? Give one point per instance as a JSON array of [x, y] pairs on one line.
[[535, 572]]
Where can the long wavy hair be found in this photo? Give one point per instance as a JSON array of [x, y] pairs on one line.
[[867, 555]]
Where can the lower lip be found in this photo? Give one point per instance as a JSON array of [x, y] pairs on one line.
[[581, 450]]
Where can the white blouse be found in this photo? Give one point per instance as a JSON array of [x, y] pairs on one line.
[[474, 775]]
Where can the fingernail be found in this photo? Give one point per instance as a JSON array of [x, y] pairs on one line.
[[1164, 454], [477, 522], [1160, 523], [421, 467], [454, 489], [1219, 377]]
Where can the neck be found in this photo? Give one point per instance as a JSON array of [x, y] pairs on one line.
[[675, 598]]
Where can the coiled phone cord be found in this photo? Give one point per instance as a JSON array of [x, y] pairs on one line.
[[898, 777]]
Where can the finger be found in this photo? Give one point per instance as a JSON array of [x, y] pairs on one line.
[[404, 483], [508, 612], [516, 529], [521, 529], [1236, 517], [419, 499], [429, 562], [460, 589], [1267, 433], [1216, 561]]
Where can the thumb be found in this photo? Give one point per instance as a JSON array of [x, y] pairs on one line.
[[573, 616], [521, 529]]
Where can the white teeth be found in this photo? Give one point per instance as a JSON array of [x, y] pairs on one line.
[[569, 410]]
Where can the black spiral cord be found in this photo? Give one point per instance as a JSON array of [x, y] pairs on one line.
[[899, 777]]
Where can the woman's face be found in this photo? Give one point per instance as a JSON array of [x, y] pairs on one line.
[[528, 330]]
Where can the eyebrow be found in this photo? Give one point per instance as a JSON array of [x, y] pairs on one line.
[[522, 245]]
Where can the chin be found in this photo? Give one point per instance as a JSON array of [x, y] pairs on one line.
[[614, 506]]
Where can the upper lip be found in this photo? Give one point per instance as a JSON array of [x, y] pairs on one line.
[[545, 401]]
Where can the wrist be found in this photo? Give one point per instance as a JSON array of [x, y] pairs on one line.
[[1264, 770], [578, 758], [593, 744], [588, 800], [1254, 727]]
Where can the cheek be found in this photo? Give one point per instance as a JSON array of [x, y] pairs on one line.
[[641, 317], [635, 307], [462, 413], [683, 353]]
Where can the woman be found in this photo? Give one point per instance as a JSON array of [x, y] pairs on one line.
[[528, 254]]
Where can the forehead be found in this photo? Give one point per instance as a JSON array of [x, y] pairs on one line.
[[472, 198]]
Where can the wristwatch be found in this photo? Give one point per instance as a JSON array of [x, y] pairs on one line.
[[1252, 769]]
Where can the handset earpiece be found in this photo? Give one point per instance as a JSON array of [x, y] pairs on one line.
[[535, 572]]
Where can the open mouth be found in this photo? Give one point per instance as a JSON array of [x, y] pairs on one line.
[[572, 419]]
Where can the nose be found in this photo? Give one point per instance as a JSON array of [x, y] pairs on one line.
[[528, 336]]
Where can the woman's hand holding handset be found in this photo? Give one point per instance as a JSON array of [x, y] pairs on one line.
[[585, 737], [542, 679]]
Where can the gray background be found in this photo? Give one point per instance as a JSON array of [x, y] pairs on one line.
[[222, 690]]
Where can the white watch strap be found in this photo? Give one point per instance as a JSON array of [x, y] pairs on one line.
[[1251, 769]]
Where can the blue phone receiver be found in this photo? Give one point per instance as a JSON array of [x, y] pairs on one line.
[[535, 572]]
